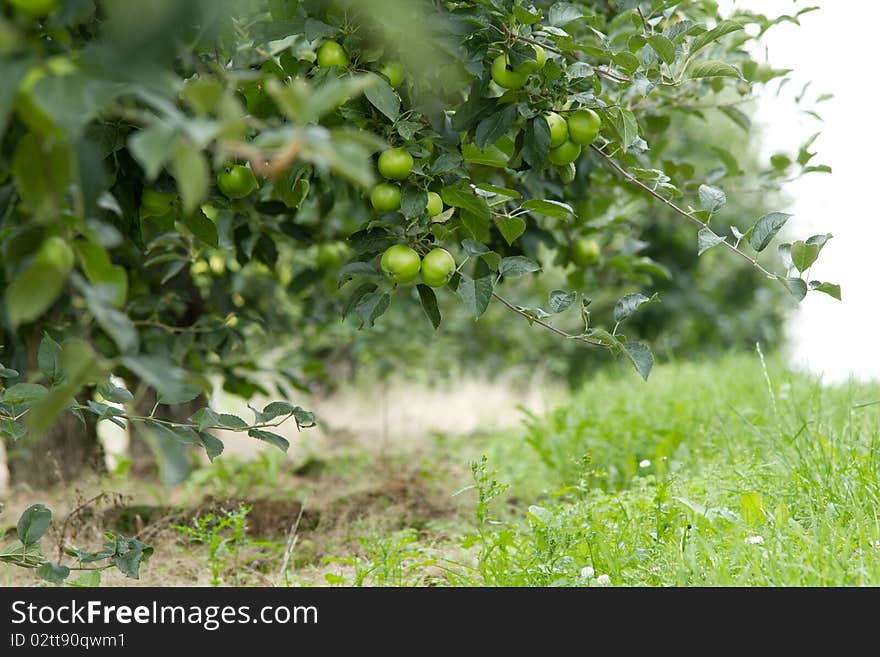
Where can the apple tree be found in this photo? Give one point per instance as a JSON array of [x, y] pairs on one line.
[[186, 185]]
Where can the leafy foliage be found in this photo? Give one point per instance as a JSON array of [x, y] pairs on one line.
[[170, 181]]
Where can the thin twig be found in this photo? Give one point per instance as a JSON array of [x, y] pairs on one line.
[[70, 517], [549, 327], [684, 213], [292, 538]]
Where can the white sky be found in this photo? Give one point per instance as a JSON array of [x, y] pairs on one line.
[[833, 48]]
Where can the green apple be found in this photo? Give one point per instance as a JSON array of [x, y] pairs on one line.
[[558, 129], [393, 72], [401, 263], [505, 77], [585, 252], [437, 268], [385, 197], [332, 54], [435, 204], [395, 164], [565, 154], [583, 127], [236, 181]]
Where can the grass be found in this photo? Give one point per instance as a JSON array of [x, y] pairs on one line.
[[725, 473], [722, 474]]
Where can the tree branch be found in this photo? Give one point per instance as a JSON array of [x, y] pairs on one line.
[[549, 327], [626, 175]]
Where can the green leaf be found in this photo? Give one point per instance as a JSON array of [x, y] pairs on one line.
[[797, 287], [71, 101], [30, 295], [710, 68], [7, 373], [627, 306], [166, 379], [190, 169], [536, 142], [49, 360], [114, 393], [627, 126], [23, 555], [53, 572], [497, 155], [100, 271], [117, 325], [706, 239], [766, 228], [371, 307], [14, 430], [664, 48], [473, 248], [553, 209], [213, 446], [33, 524], [23, 393], [803, 255], [503, 193], [461, 195], [129, 554], [704, 39], [202, 227], [712, 198], [232, 422], [89, 579], [831, 289], [12, 71], [182, 434], [641, 357], [429, 305], [383, 97], [205, 418], [737, 116], [413, 201], [494, 126], [517, 266], [525, 15], [355, 269], [476, 294], [153, 147], [272, 438], [511, 228], [563, 13], [820, 240], [42, 172], [560, 300]]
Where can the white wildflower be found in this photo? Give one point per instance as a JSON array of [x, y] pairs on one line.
[[645, 463], [754, 540], [587, 572], [603, 580]]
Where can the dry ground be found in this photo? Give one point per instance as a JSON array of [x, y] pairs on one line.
[[379, 462]]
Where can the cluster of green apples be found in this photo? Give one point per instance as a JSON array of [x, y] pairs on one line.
[[402, 264], [396, 164], [569, 136], [331, 53]]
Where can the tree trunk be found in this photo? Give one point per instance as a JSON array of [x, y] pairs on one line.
[[63, 454], [143, 455]]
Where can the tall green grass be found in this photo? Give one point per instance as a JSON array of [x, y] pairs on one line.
[[723, 473]]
